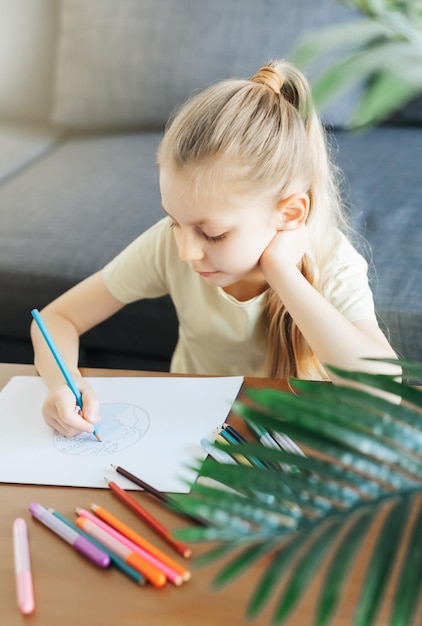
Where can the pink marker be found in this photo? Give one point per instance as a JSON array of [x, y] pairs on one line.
[[23, 576], [174, 576]]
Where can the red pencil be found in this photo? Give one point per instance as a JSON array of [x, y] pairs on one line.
[[152, 521]]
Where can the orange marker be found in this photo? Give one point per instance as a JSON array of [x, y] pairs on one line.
[[152, 521], [151, 573], [140, 541], [170, 573]]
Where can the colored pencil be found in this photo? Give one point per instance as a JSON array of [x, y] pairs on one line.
[[128, 532], [60, 362], [232, 436], [160, 495], [151, 573], [152, 521], [240, 458], [233, 432], [115, 560], [141, 483]]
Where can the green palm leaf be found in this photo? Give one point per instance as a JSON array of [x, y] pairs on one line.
[[306, 567], [385, 95], [408, 589], [383, 558], [272, 576], [354, 34], [381, 53], [339, 567], [363, 465]]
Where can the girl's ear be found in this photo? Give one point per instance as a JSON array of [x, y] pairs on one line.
[[292, 212]]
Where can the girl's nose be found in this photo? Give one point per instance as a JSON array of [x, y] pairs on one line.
[[190, 248]]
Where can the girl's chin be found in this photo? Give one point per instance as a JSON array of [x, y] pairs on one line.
[[218, 279]]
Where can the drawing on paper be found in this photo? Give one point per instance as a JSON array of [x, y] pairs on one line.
[[121, 426]]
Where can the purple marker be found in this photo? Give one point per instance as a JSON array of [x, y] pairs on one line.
[[64, 531]]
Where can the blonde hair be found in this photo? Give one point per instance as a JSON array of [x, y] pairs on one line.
[[266, 134]]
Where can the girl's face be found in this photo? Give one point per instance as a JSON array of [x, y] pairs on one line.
[[220, 234]]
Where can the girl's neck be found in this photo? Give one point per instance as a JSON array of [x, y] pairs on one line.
[[246, 290]]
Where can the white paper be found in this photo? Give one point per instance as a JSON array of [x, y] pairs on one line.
[[151, 426]]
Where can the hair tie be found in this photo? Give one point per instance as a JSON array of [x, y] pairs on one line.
[[269, 77]]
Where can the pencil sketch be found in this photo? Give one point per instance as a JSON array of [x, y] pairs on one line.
[[121, 426]]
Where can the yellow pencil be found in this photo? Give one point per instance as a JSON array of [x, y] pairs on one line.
[[240, 458]]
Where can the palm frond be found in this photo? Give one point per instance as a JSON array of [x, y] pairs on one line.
[[380, 52], [361, 469]]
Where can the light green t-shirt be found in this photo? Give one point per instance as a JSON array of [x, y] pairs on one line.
[[218, 335]]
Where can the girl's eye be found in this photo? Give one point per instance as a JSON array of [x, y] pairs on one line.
[[215, 238], [207, 237]]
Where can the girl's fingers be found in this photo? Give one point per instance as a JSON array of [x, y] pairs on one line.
[[64, 430], [90, 405], [73, 420], [61, 412]]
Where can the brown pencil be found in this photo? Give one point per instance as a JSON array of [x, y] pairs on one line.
[[152, 521], [160, 495]]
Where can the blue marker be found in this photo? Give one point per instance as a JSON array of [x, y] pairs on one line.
[[62, 365]]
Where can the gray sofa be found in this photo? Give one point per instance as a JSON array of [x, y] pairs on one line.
[[85, 89]]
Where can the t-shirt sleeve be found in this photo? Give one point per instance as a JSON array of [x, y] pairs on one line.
[[344, 283], [139, 271]]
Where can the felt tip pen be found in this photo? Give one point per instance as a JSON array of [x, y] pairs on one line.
[[114, 559], [60, 362], [262, 435], [268, 438], [216, 453], [287, 444], [151, 573], [23, 576], [127, 533], [75, 539], [174, 576]]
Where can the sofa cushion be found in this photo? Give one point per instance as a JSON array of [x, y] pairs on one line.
[[128, 64], [66, 216], [385, 198], [21, 144], [79, 205]]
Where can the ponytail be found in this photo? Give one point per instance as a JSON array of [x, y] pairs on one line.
[[288, 353]]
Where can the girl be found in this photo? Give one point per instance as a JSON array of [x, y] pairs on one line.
[[252, 250]]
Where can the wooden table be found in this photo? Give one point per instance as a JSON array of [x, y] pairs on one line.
[[70, 591]]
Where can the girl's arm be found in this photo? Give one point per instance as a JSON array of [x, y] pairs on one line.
[[69, 316], [333, 339]]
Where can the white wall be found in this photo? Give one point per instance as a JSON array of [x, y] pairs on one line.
[[27, 50]]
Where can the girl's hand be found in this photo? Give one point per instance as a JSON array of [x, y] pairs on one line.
[[284, 251], [61, 412]]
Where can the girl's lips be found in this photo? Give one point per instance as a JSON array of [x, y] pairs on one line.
[[206, 274]]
